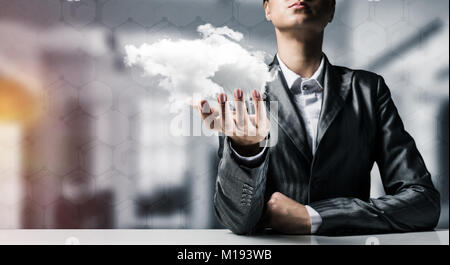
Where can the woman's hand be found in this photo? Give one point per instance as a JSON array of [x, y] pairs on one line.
[[286, 215], [245, 130]]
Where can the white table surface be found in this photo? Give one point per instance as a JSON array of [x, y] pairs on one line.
[[207, 237]]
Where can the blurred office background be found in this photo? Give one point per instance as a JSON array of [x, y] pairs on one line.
[[84, 140]]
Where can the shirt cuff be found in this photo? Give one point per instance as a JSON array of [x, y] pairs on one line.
[[248, 159], [315, 218]]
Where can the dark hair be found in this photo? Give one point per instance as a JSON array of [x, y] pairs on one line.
[[268, 0]]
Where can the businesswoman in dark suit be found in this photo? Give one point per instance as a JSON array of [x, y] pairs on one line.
[[333, 124]]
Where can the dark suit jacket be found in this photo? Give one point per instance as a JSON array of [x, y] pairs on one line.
[[359, 125]]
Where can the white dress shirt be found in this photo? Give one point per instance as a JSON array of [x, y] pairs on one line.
[[308, 96]]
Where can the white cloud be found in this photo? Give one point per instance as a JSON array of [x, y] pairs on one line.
[[214, 63]]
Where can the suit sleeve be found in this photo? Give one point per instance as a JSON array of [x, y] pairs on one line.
[[239, 191], [411, 203]]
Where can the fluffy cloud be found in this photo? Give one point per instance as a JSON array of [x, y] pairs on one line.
[[214, 63]]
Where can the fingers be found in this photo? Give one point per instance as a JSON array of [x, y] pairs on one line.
[[232, 123], [208, 115], [226, 115], [260, 112], [205, 109], [272, 208], [241, 111]]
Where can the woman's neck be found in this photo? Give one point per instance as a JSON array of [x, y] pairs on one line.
[[301, 52]]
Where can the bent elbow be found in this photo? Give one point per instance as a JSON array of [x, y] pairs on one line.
[[237, 226], [432, 210], [435, 210], [241, 230], [235, 221]]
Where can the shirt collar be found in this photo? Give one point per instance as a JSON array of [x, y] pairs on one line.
[[291, 76]]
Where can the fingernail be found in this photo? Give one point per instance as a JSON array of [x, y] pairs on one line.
[[222, 98], [257, 94], [239, 93]]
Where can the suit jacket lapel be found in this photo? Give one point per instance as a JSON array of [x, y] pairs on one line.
[[336, 89], [288, 118]]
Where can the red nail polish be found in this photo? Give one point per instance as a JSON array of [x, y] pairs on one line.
[[240, 94]]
